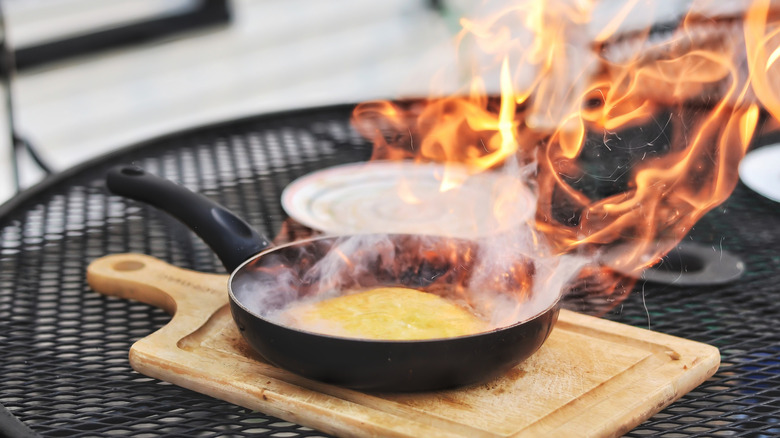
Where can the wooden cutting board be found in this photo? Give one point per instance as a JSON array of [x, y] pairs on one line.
[[592, 377]]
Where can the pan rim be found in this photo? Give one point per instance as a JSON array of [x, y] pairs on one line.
[[235, 301]]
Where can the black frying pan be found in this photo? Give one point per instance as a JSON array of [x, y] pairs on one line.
[[275, 277]]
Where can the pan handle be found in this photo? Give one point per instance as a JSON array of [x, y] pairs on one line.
[[229, 236]]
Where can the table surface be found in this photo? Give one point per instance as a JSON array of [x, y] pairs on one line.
[[64, 367]]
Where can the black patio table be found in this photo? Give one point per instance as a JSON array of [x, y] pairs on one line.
[[63, 348]]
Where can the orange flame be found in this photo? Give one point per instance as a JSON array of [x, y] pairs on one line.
[[571, 101]]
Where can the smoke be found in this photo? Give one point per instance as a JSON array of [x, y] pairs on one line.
[[504, 277]]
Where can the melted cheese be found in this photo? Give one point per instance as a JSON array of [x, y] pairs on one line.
[[389, 313]]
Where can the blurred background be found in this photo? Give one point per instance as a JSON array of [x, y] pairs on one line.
[[90, 76]]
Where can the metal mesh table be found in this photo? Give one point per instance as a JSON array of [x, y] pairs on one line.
[[63, 348]]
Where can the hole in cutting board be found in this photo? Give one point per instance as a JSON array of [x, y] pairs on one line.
[[128, 265]]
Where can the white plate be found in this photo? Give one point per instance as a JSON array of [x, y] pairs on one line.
[[760, 170], [406, 197]]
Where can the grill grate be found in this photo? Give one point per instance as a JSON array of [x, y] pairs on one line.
[[64, 369]]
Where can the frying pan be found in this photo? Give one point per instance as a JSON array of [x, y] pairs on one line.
[[264, 277]]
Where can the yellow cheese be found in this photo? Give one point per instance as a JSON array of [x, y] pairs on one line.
[[390, 313]]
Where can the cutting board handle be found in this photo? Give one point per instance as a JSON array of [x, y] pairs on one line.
[[149, 280]]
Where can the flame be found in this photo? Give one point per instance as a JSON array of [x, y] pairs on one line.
[[574, 102]]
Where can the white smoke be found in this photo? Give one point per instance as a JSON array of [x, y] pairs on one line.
[[506, 277]]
